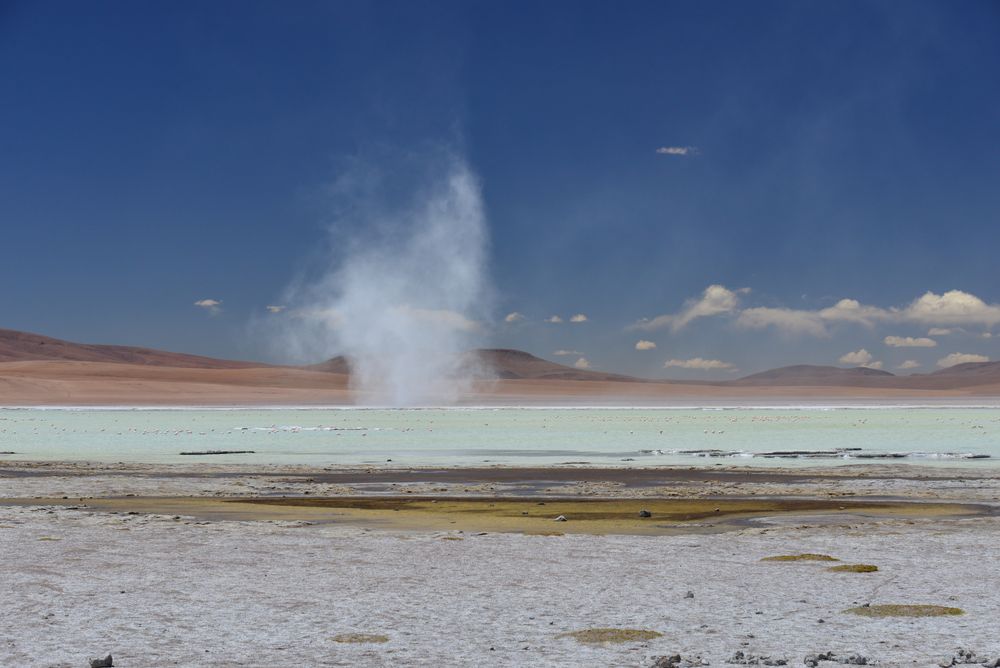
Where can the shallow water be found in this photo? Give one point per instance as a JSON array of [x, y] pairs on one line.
[[511, 436]]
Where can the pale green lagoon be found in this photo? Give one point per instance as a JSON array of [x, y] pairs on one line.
[[759, 436]]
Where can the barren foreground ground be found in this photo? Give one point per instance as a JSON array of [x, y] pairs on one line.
[[80, 579]]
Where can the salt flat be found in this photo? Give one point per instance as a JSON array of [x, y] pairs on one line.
[[158, 590]]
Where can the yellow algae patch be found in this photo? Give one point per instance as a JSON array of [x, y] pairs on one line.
[[360, 638], [905, 611], [853, 568], [452, 538], [608, 635], [801, 557]]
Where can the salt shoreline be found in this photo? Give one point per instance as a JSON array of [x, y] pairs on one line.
[[175, 589]]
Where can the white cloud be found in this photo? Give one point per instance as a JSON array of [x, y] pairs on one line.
[[554, 319], [909, 342], [699, 363], [579, 317], [645, 345], [960, 358], [213, 306], [987, 335], [274, 308], [678, 150], [715, 300], [582, 363], [565, 353], [514, 317], [939, 331], [860, 358], [909, 364], [952, 308], [786, 319]]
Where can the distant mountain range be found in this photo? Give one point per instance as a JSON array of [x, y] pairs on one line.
[[503, 364]]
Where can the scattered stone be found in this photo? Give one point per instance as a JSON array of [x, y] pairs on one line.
[[677, 661], [645, 513], [690, 594], [106, 662], [755, 660], [561, 518]]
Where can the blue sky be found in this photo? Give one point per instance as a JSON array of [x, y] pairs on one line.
[[153, 155]]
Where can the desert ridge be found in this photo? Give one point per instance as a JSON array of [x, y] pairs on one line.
[[38, 370]]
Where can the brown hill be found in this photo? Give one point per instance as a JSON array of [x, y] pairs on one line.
[[24, 346], [809, 374], [500, 363]]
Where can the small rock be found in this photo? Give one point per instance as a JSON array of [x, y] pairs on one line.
[[106, 662], [561, 518], [690, 594], [645, 513]]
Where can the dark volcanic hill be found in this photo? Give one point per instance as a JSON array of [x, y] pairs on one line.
[[809, 374], [23, 346], [500, 363]]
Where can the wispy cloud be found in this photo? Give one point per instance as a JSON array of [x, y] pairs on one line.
[[860, 358], [909, 364], [700, 363], [909, 342], [513, 317], [940, 331], [645, 345], [554, 319], [682, 151], [565, 353], [715, 300], [960, 358], [579, 317], [582, 363], [213, 306], [275, 308]]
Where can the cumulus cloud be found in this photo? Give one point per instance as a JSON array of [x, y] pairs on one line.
[[645, 345], [213, 306], [909, 342], [909, 364], [513, 317], [715, 300], [860, 358], [678, 150], [579, 317], [960, 358], [566, 353], [274, 308], [952, 308], [554, 319], [582, 363], [699, 363]]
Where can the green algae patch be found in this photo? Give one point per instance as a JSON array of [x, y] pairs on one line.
[[893, 610], [609, 635], [801, 557], [853, 568], [360, 638]]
